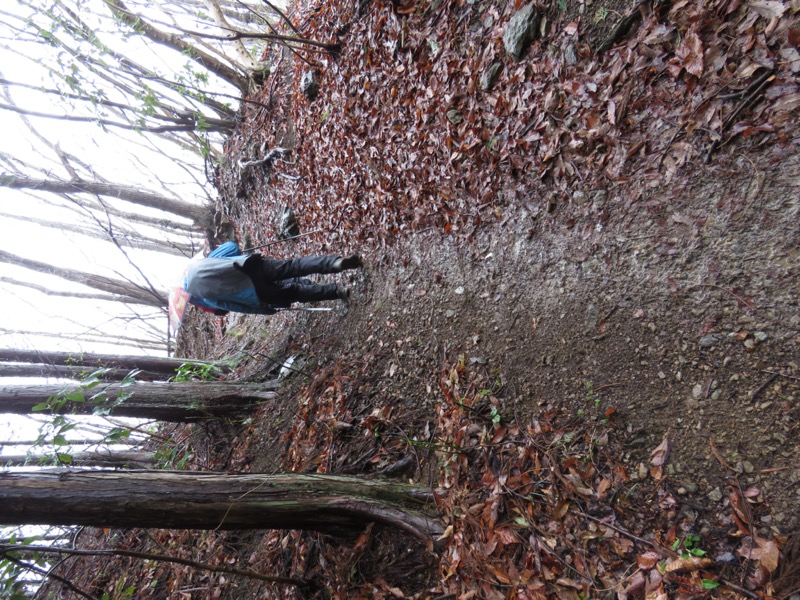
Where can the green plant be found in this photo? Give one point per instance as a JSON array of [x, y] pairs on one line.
[[12, 585], [600, 15], [691, 546], [195, 371], [173, 457], [591, 398]]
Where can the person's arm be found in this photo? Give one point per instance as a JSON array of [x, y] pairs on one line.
[[226, 306]]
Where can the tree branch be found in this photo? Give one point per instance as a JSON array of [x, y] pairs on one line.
[[148, 556]]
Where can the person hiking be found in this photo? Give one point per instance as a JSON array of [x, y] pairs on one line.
[[229, 281]]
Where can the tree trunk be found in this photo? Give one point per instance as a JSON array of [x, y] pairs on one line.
[[129, 291], [192, 500], [70, 372], [123, 238], [197, 214], [98, 338], [157, 366], [121, 459], [177, 402], [140, 25], [47, 291]]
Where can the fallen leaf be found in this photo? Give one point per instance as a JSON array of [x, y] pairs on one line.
[[769, 9], [766, 552], [688, 564], [648, 560], [446, 534], [659, 456], [602, 488]]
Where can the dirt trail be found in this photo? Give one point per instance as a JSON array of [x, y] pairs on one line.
[[678, 316], [603, 277]]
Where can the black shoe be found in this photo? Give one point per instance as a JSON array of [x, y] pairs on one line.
[[351, 262], [342, 292]]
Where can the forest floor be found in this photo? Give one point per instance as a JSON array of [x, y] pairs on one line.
[[578, 316]]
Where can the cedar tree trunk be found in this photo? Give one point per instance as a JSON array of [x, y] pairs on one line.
[[151, 367], [197, 214], [102, 457], [201, 500], [127, 291], [177, 402]]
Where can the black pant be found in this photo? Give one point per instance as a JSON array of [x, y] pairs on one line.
[[279, 282]]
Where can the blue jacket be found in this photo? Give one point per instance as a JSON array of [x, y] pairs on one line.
[[216, 283]]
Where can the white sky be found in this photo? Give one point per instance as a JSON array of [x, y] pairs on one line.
[[119, 162], [30, 310]]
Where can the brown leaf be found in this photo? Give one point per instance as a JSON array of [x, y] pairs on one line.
[[766, 552], [648, 560], [794, 36], [688, 564], [659, 456], [602, 488], [690, 53], [769, 9]]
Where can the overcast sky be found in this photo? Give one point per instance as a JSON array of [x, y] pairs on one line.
[[114, 159]]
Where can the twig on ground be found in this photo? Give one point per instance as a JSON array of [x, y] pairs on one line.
[[628, 534], [756, 392], [747, 303], [738, 589], [622, 27], [608, 386], [752, 95], [713, 445], [781, 375]]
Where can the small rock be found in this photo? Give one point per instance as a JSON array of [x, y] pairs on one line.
[[715, 495], [309, 85], [599, 197], [287, 224], [697, 392], [747, 466], [708, 340], [690, 486], [491, 75], [760, 336], [455, 116], [459, 290], [290, 366], [591, 317], [570, 57], [521, 30], [579, 197], [726, 557]]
